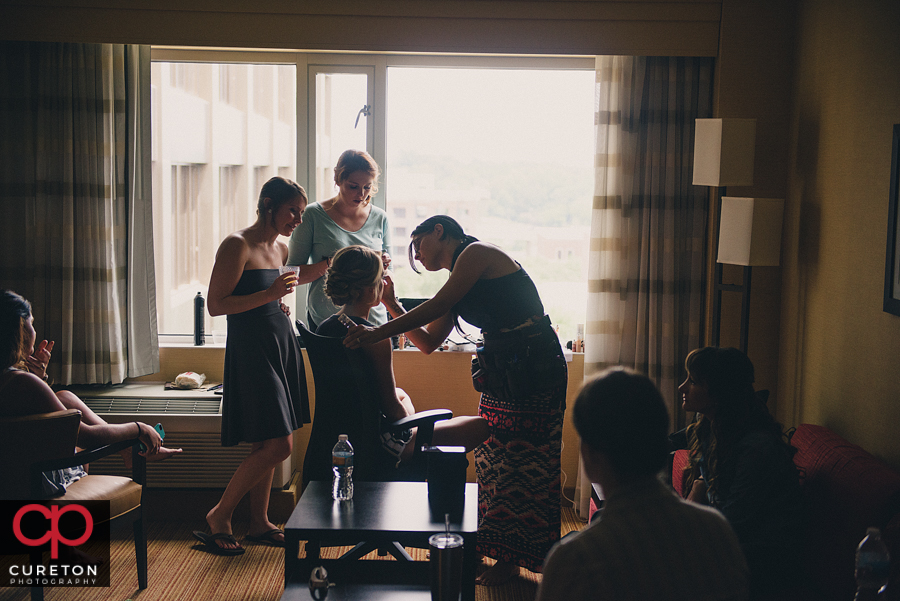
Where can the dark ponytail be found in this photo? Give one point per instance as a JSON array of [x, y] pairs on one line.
[[451, 228]]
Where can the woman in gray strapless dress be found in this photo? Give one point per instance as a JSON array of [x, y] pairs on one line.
[[265, 396], [265, 381]]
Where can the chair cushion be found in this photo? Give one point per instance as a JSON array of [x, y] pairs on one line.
[[680, 461], [123, 494]]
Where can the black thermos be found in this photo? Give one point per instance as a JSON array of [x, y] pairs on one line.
[[198, 320]]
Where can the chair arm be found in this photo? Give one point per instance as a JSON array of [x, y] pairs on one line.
[[424, 421], [420, 418], [138, 463]]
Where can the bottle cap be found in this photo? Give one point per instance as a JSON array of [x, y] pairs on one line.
[[342, 437]]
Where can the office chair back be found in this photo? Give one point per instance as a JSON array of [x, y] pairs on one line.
[[346, 402]]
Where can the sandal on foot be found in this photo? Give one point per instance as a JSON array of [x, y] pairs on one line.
[[209, 543], [267, 538]]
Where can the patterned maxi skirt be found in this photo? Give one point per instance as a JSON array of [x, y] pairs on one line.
[[518, 471]]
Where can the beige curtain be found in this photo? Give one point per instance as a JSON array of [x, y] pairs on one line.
[[645, 274], [74, 204]]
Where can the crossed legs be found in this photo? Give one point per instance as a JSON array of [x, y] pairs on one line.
[[253, 477]]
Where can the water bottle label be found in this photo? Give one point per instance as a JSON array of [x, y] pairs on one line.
[[342, 460]]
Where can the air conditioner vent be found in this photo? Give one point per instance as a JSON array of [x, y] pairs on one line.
[[107, 406]]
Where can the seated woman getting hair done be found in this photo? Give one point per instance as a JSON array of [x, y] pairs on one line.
[[23, 391], [354, 282]]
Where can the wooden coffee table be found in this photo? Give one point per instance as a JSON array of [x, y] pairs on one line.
[[382, 513]]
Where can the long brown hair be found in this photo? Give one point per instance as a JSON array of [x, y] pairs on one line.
[[14, 312], [729, 376]]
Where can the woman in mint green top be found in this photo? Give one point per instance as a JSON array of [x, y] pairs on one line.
[[345, 220]]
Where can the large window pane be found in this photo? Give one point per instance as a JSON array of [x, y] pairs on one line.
[[219, 132], [341, 123], [508, 154]]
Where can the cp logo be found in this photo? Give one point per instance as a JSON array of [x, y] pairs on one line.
[[53, 535]]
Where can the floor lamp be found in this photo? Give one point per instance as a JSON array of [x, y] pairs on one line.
[[749, 235], [723, 156]]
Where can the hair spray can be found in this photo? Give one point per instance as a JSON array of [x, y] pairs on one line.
[[198, 320]]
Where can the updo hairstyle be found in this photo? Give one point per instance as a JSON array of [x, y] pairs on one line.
[[353, 269]]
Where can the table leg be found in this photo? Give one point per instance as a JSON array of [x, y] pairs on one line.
[[469, 567]]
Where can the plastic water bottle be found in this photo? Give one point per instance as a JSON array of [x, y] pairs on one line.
[[873, 566], [342, 466]]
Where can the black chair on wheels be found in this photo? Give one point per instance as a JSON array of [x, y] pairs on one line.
[[346, 402]]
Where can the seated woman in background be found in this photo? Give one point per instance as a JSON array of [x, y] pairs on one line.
[[23, 391], [740, 463], [354, 282]]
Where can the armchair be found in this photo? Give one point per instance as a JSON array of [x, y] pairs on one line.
[[37, 443]]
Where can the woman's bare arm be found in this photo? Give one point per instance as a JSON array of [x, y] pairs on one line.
[[472, 263], [231, 259], [426, 338], [391, 405], [29, 395]]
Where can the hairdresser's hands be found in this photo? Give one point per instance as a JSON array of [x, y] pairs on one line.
[[283, 285], [358, 335], [389, 296], [37, 363], [385, 259]]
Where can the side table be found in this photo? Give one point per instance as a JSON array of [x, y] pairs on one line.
[[382, 513]]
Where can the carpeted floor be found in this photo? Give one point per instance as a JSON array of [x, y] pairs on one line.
[[178, 572]]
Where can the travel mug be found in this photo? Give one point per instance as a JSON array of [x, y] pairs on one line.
[[446, 566]]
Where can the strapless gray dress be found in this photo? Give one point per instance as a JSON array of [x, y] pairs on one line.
[[264, 393]]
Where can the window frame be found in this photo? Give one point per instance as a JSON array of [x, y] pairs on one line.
[[376, 65]]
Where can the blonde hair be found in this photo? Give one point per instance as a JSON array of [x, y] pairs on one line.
[[353, 269]]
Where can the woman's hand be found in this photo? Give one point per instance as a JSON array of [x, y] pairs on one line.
[[385, 259], [358, 335], [283, 285], [698, 492], [37, 363], [150, 437], [389, 295]]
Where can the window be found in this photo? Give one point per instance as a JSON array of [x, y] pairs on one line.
[[502, 144], [220, 130]]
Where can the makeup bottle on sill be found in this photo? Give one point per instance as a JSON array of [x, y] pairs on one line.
[[199, 305]]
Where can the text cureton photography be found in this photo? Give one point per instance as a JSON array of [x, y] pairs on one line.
[[52, 544]]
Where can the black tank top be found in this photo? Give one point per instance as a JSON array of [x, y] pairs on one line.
[[501, 303]]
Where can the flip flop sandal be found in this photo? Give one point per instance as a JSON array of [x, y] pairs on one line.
[[267, 538], [209, 542]]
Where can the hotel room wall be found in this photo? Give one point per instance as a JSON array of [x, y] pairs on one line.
[[839, 350], [753, 80], [825, 347]]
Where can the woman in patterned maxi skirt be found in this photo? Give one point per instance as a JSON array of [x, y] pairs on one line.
[[521, 373]]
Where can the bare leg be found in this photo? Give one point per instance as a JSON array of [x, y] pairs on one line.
[[259, 507], [71, 401], [257, 466], [467, 431]]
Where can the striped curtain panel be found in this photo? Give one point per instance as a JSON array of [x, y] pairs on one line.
[[645, 273], [75, 204]]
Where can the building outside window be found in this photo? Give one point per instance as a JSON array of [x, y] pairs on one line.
[[504, 146]]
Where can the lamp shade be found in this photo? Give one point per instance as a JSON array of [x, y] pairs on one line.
[[723, 152], [750, 231]]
